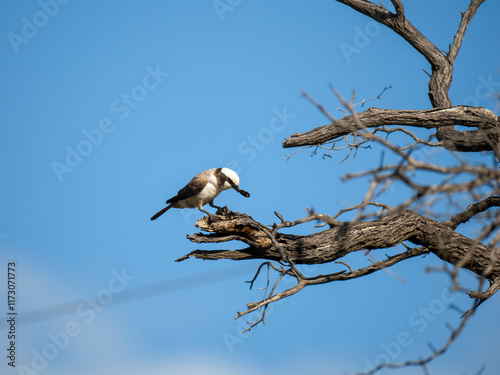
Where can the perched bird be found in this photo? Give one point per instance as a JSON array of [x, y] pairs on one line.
[[202, 189]]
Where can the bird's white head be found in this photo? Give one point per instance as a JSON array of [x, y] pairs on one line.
[[231, 175]]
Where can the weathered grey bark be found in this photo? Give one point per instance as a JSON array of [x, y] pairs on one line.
[[341, 239], [441, 63], [469, 141]]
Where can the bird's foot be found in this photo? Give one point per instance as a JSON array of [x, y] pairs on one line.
[[210, 215], [222, 210]]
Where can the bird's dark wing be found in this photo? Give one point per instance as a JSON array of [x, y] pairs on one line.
[[194, 186]]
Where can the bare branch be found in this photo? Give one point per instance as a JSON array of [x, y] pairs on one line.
[[431, 118], [472, 210], [399, 24], [263, 315], [398, 6], [492, 289], [466, 19], [257, 305], [338, 276], [347, 237]]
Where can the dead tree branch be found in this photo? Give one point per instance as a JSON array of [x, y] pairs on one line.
[[472, 210], [471, 141], [340, 240]]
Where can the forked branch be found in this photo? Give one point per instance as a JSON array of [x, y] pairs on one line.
[[388, 231], [471, 141]]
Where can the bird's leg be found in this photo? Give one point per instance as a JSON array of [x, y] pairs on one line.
[[210, 215], [211, 204], [220, 210]]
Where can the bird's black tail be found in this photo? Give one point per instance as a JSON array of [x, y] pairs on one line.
[[161, 212]]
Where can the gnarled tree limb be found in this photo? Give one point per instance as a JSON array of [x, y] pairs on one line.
[[477, 117], [442, 66], [472, 210], [335, 243]]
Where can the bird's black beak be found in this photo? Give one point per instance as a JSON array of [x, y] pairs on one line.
[[242, 192]]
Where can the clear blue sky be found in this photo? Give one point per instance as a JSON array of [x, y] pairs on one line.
[[108, 108]]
